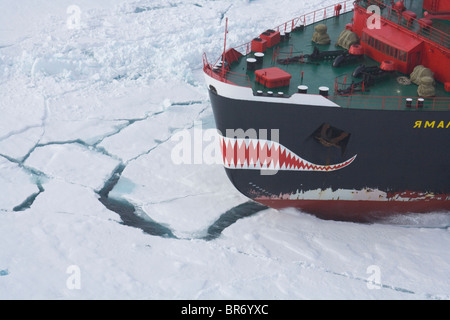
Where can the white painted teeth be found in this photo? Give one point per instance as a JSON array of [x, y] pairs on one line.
[[262, 154]]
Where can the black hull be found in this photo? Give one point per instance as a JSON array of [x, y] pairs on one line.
[[398, 166]]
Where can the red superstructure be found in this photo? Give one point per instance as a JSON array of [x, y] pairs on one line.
[[437, 6], [404, 37]]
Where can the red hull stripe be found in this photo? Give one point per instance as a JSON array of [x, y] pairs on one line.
[[351, 210]]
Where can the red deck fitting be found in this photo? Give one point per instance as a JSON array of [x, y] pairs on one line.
[[272, 37], [425, 23], [356, 49], [259, 45], [387, 65], [409, 16], [273, 77]]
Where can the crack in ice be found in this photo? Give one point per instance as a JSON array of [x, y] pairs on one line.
[[30, 200]]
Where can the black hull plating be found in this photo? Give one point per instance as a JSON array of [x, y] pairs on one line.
[[402, 154]]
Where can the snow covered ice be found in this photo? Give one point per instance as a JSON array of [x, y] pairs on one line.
[[92, 95]]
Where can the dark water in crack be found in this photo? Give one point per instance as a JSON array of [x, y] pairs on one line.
[[243, 210], [127, 211], [30, 200], [132, 216]]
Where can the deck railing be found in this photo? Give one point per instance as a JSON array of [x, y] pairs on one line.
[[391, 103], [225, 75], [304, 20]]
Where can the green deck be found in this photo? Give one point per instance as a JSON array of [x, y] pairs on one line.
[[324, 74]]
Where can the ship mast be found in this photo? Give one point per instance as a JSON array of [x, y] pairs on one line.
[[224, 47]]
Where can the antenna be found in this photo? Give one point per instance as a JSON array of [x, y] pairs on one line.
[[224, 47]]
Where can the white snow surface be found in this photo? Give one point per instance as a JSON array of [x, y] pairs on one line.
[[105, 99]]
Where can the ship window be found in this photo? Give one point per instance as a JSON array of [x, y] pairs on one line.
[[388, 50], [393, 52], [365, 37], [402, 56]]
